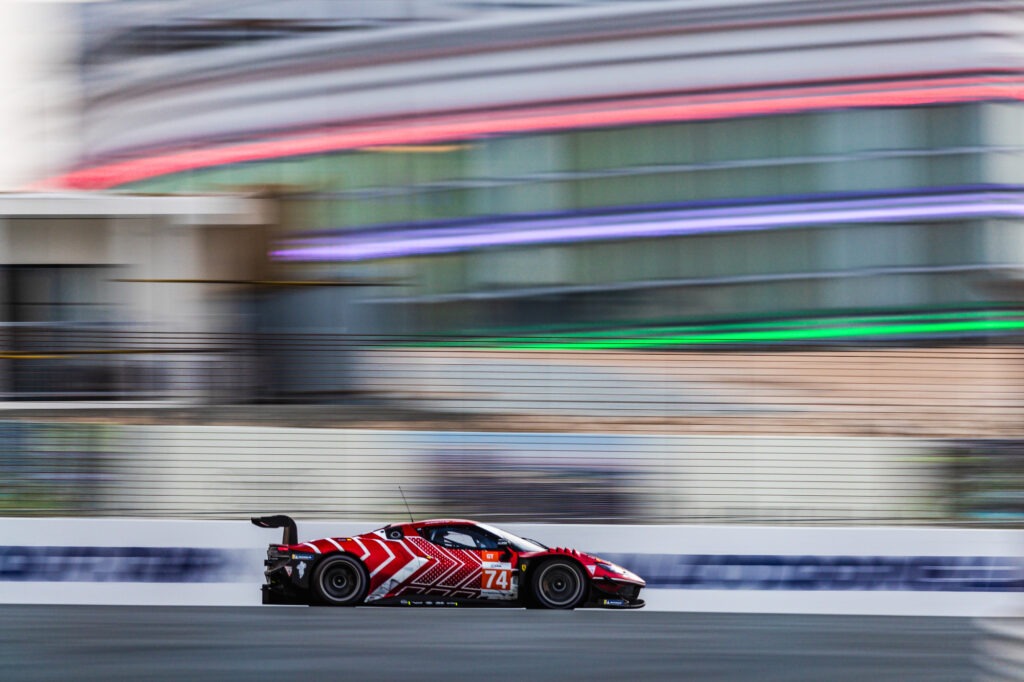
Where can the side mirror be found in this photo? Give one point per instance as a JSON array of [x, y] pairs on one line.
[[505, 546]]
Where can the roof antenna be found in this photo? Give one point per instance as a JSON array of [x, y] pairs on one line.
[[411, 520]]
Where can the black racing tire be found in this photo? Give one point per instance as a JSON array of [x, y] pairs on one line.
[[340, 580], [559, 584]]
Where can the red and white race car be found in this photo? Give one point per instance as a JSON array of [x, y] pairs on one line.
[[441, 562]]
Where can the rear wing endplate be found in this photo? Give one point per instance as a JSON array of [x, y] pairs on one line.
[[291, 531]]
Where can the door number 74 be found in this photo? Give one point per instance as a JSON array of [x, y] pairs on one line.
[[497, 579]]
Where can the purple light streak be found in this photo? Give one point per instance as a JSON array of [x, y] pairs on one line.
[[400, 242]]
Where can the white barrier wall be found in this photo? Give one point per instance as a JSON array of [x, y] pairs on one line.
[[894, 571]]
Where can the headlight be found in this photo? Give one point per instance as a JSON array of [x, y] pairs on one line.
[[612, 568]]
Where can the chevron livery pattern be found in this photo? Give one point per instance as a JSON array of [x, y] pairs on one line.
[[412, 565]]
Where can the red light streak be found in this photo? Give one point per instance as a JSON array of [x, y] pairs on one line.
[[637, 111]]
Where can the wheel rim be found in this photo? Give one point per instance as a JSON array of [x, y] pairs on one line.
[[560, 585], [340, 582]]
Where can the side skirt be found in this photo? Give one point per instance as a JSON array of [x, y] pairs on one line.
[[435, 601]]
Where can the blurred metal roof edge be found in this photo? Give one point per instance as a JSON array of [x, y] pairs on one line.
[[538, 23], [237, 209]]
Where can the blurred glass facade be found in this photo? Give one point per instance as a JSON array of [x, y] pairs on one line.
[[797, 160], [864, 150], [849, 154]]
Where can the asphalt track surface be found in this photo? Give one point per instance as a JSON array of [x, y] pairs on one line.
[[291, 643]]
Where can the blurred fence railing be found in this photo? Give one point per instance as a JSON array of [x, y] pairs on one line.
[[233, 471], [330, 426], [965, 391]]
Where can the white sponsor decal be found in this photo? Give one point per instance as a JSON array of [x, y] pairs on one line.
[[398, 578]]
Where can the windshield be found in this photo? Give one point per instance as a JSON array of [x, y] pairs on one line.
[[520, 544]]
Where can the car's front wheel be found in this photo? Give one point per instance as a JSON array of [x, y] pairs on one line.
[[559, 584], [340, 581]]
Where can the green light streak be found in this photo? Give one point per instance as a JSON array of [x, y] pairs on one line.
[[787, 324], [865, 326], [740, 337]]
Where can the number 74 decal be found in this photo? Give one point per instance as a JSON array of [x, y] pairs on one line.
[[496, 579]]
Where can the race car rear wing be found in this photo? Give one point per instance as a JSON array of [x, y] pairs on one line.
[[291, 531]]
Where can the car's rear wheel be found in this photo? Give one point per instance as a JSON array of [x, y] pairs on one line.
[[559, 584], [340, 581]]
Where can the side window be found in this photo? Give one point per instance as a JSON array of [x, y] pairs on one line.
[[455, 537], [484, 540], [460, 537]]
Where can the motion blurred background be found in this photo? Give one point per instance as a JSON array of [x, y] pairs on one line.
[[564, 260]]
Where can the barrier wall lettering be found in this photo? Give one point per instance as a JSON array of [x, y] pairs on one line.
[[738, 572], [119, 564], [662, 571]]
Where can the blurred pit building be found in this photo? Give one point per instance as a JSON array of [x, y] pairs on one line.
[[610, 163], [652, 261]]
